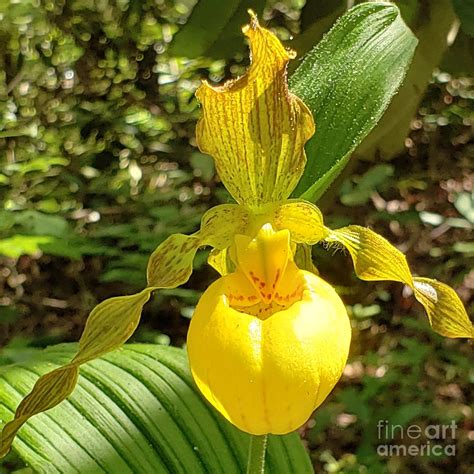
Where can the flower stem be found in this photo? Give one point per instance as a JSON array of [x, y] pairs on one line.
[[256, 460]]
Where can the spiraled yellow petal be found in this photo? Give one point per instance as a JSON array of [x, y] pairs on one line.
[[376, 259], [113, 321], [49, 391], [267, 375], [447, 314], [254, 128], [171, 264], [109, 325]]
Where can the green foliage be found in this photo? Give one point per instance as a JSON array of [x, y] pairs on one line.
[[347, 81], [85, 128], [465, 11], [373, 180], [387, 139], [214, 29], [136, 410]]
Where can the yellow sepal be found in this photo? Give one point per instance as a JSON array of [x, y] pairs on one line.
[[303, 219], [376, 259], [254, 128]]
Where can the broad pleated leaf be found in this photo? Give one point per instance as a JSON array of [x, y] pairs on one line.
[[376, 259], [134, 411], [254, 128], [347, 82]]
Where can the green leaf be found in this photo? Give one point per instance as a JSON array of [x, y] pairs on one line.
[[18, 245], [367, 184], [465, 11], [431, 24], [214, 28], [38, 223], [347, 81], [135, 410]]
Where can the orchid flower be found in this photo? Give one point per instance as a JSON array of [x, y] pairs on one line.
[[269, 339]]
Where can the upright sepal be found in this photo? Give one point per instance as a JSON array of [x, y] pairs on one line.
[[254, 128]]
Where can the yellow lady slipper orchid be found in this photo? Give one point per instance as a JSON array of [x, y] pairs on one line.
[[268, 340]]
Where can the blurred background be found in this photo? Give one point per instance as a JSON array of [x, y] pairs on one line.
[[98, 164]]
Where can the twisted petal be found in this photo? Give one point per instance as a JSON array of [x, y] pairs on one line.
[[109, 325], [113, 321], [48, 391], [445, 311], [172, 262], [254, 128], [376, 259]]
